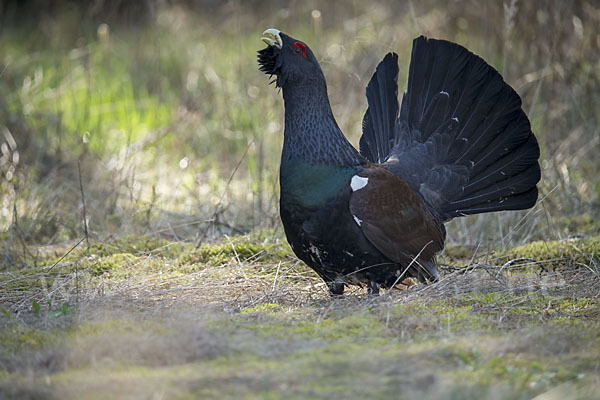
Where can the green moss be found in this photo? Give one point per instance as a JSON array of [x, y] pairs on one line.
[[525, 376], [126, 265], [116, 327], [490, 312], [112, 263], [300, 325], [435, 316], [265, 307], [456, 252], [18, 338], [351, 327], [138, 245], [569, 253], [236, 249]]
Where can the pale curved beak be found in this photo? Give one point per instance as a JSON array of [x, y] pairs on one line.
[[272, 37]]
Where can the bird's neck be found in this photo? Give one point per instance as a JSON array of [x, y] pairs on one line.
[[311, 133]]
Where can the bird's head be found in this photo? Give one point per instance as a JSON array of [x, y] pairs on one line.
[[289, 59]]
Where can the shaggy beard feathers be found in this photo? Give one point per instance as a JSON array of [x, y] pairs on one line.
[[270, 62]]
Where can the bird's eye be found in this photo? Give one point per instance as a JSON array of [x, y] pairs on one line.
[[299, 48]]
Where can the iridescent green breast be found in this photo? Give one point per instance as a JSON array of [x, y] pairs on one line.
[[311, 186]]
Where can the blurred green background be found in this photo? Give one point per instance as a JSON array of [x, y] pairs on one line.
[[160, 107]]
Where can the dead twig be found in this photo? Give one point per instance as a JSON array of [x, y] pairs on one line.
[[10, 235], [218, 208], [85, 227], [66, 254]]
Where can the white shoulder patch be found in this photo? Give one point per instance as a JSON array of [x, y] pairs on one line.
[[357, 220], [358, 182]]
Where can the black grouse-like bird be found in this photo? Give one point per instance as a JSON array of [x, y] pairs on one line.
[[459, 144]]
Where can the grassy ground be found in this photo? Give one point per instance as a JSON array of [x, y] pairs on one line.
[[241, 318], [151, 127]]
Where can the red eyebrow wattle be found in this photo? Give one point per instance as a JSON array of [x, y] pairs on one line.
[[302, 46]]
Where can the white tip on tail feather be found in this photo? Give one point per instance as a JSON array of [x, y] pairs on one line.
[[358, 182]]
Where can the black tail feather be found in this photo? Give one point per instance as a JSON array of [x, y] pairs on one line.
[[522, 201], [462, 139], [510, 187], [380, 119], [520, 160]]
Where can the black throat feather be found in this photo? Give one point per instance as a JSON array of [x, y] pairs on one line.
[[269, 61]]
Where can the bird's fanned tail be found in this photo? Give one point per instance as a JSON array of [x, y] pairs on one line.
[[462, 140], [380, 119]]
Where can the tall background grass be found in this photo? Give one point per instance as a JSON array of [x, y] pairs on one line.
[[178, 135]]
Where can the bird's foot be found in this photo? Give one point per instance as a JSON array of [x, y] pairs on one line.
[[373, 288], [335, 288]]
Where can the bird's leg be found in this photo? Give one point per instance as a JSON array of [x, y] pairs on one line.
[[373, 288], [336, 288]]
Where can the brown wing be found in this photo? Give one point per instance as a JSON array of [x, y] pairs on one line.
[[393, 217]]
